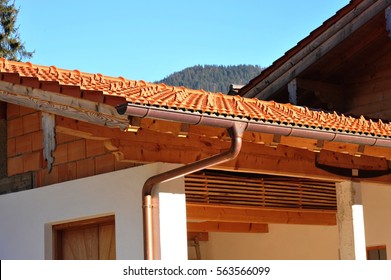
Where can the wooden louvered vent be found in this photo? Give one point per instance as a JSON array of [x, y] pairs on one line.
[[264, 191]]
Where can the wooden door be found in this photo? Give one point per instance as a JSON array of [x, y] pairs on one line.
[[92, 239]]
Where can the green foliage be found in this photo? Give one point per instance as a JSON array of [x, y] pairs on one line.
[[212, 78], [11, 46]]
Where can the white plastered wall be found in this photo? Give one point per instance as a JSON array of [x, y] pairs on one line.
[[283, 242], [376, 200], [26, 217]]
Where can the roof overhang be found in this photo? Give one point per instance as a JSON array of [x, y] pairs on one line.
[[314, 47], [62, 105], [254, 125]]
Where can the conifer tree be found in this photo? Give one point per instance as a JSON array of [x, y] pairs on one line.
[[215, 78], [11, 47]]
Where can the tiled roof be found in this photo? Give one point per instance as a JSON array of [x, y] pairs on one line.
[[116, 91]]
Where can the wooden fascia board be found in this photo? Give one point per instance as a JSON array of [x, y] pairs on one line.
[[62, 105], [241, 214], [317, 48]]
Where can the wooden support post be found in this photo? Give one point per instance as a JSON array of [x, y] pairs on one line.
[[350, 221]]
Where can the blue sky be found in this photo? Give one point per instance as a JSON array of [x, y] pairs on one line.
[[150, 39]]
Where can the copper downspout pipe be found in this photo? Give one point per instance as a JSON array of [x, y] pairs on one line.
[[235, 132]]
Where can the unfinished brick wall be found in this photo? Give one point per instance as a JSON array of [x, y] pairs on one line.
[[24, 140], [74, 157], [3, 140]]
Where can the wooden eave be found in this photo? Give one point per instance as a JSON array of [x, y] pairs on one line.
[[94, 112], [261, 152], [346, 27]]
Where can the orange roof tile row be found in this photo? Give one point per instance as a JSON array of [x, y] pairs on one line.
[[163, 96]]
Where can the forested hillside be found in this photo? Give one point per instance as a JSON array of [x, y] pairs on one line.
[[212, 77]]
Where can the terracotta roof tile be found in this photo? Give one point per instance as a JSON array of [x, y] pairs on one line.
[[94, 86]]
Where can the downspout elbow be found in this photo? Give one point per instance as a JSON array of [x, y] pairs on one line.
[[235, 132]]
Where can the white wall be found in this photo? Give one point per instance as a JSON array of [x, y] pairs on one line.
[[377, 215], [26, 217], [283, 242]]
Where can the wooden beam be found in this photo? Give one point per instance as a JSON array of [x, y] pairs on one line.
[[227, 227], [239, 214], [340, 160], [62, 105], [317, 48]]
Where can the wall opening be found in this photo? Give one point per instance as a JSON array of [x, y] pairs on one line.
[[377, 253], [92, 239]]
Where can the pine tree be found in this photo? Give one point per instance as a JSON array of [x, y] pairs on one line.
[[11, 46]]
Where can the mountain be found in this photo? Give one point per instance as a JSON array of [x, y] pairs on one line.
[[214, 78]]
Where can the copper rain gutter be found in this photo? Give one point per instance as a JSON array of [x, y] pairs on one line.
[[262, 126], [236, 127]]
